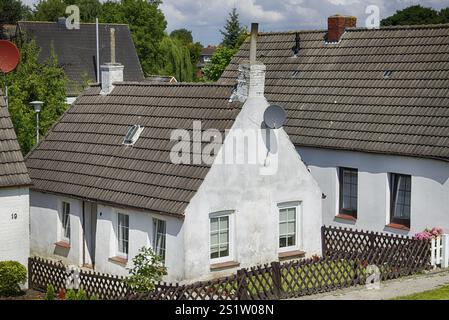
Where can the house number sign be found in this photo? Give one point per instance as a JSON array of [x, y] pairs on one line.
[[13, 216]]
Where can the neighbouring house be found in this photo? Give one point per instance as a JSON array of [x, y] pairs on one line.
[[106, 182], [14, 194], [76, 50], [368, 111], [205, 56]]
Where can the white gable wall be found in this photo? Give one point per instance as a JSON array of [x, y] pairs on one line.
[[253, 198], [430, 188], [14, 225]]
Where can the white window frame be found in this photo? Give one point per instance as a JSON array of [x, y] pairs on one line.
[[118, 252], [230, 257], [61, 220], [297, 205], [154, 219]]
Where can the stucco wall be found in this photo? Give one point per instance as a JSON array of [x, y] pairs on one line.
[[430, 188], [254, 200], [46, 227], [140, 234], [14, 225], [46, 231]]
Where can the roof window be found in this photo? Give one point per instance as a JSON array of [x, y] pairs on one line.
[[388, 74], [133, 134]]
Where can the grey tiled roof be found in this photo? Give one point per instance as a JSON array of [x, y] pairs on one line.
[[337, 97], [13, 171], [76, 49], [83, 154]]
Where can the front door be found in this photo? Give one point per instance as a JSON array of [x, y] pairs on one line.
[[90, 228]]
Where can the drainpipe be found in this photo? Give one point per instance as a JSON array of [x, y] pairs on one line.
[[84, 234]]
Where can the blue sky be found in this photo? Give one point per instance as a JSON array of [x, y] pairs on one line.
[[206, 17]]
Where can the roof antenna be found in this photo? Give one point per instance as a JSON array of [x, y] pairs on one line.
[[253, 48], [296, 47], [9, 59]]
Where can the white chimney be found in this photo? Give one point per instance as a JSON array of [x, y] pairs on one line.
[[111, 72], [251, 78]]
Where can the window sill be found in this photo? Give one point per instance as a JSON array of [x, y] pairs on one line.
[[397, 226], [63, 244], [224, 265], [345, 217], [291, 254], [119, 260]]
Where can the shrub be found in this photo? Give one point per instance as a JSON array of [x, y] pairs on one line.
[[428, 233], [70, 295], [147, 269], [12, 275], [81, 295], [50, 294]]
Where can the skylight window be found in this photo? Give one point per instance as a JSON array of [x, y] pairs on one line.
[[132, 135], [388, 74]]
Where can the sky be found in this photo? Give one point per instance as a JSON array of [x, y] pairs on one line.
[[206, 17]]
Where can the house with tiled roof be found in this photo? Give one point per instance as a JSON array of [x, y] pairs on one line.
[[172, 167], [76, 50], [368, 113], [14, 194]]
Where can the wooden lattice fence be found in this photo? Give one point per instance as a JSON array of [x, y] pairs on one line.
[[346, 255]]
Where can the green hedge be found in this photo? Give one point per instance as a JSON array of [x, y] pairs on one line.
[[12, 275]]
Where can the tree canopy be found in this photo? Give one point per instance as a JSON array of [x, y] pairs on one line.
[[416, 15], [218, 63], [35, 81], [233, 30], [12, 11]]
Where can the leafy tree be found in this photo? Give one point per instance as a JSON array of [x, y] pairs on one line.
[[147, 269], [176, 60], [51, 10], [415, 15], [183, 35], [12, 11], [34, 81], [147, 24], [233, 30], [218, 63]]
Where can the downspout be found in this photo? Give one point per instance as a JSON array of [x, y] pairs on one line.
[[84, 234]]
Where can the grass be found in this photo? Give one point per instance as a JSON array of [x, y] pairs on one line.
[[441, 293]]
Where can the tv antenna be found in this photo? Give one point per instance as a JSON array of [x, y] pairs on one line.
[[9, 59]]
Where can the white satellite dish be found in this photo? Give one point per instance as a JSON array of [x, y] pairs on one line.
[[274, 117]]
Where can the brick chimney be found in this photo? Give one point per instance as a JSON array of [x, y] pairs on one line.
[[336, 26]]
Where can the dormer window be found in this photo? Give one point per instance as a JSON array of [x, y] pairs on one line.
[[133, 134]]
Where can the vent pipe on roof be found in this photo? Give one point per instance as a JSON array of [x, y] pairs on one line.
[[111, 72], [98, 49]]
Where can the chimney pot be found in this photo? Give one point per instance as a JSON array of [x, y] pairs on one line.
[[253, 47], [336, 26]]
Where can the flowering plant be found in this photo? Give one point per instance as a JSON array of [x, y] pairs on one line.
[[428, 233]]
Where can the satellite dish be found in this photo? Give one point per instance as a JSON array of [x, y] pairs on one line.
[[9, 56], [274, 116]]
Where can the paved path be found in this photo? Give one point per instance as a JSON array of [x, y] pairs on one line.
[[389, 289]]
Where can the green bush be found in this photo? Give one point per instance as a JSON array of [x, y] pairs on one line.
[[70, 295], [50, 294], [81, 295], [12, 275]]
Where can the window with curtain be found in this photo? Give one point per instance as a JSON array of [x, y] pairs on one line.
[[66, 220], [159, 235], [401, 190], [348, 191], [287, 227], [219, 237], [123, 233]]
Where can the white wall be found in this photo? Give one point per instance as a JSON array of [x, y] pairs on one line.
[[46, 227], [253, 198], [46, 231], [430, 188], [140, 234], [14, 225]]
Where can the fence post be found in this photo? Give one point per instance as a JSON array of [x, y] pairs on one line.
[[432, 252], [30, 266], [323, 242], [445, 250], [242, 286], [276, 275]]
